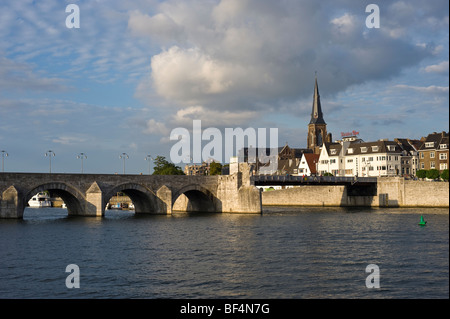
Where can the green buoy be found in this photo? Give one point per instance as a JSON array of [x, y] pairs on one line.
[[422, 222]]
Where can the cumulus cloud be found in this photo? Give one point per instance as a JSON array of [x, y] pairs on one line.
[[256, 55]]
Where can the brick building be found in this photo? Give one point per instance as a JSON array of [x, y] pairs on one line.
[[433, 154]]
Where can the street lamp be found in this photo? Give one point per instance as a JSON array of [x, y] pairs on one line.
[[124, 156], [50, 154], [82, 156], [149, 159], [4, 154]]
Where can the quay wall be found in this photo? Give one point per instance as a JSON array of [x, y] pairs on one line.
[[391, 192]]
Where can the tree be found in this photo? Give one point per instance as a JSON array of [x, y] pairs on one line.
[[421, 173], [432, 173], [444, 175], [215, 168], [163, 167]]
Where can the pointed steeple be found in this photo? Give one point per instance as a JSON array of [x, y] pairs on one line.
[[316, 114]]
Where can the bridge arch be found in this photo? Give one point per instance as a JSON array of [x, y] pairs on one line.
[[144, 200], [72, 197], [199, 199]]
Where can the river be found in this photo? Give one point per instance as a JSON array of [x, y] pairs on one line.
[[286, 252]]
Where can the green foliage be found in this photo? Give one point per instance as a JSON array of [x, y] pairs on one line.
[[421, 173], [327, 174], [215, 168], [444, 175], [432, 173], [163, 167]]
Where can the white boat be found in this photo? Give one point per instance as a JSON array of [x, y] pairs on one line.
[[40, 200]]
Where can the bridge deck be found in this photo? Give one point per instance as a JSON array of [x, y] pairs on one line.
[[266, 180]]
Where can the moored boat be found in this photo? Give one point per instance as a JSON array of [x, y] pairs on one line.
[[40, 200]]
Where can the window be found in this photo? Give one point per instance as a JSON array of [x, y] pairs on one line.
[[363, 149], [429, 144], [443, 156], [431, 154], [442, 166], [333, 152], [421, 154], [443, 146], [332, 161], [374, 148], [432, 165], [350, 150], [370, 159], [422, 165], [350, 161]]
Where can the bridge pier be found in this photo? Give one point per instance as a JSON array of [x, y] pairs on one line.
[[10, 204], [88, 194], [94, 205]]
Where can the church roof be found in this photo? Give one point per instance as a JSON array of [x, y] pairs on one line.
[[316, 113]]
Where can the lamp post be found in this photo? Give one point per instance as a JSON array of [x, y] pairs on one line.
[[124, 156], [4, 154], [82, 156], [50, 154], [149, 159]]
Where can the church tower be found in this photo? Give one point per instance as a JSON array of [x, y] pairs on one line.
[[317, 128]]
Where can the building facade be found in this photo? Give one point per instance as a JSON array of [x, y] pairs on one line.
[[353, 157], [195, 169], [308, 164], [433, 154]]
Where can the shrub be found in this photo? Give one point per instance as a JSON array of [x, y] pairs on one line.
[[421, 173], [444, 175], [432, 173]]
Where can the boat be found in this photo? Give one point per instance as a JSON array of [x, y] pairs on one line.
[[422, 221], [40, 200]]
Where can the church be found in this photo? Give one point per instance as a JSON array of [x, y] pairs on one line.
[[317, 128]]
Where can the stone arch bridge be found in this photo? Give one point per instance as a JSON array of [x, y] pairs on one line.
[[88, 194]]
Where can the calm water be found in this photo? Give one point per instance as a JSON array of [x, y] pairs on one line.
[[283, 253]]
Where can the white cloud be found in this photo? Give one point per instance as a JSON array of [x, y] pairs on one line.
[[441, 68], [155, 127], [211, 117], [432, 89]]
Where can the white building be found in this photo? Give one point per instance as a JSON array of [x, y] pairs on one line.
[[353, 157], [308, 164]]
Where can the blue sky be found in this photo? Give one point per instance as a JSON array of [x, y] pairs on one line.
[[135, 70]]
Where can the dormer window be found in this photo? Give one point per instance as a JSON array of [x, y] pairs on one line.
[[374, 148], [429, 144], [364, 149], [443, 146], [333, 152], [391, 148], [350, 150]]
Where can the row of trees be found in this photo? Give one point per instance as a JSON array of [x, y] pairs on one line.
[[432, 174], [164, 167]]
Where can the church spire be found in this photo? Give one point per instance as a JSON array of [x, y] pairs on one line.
[[316, 114]]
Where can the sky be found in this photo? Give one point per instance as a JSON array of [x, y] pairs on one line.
[[135, 70]]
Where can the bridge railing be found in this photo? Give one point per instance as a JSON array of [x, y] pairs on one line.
[[286, 179]]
